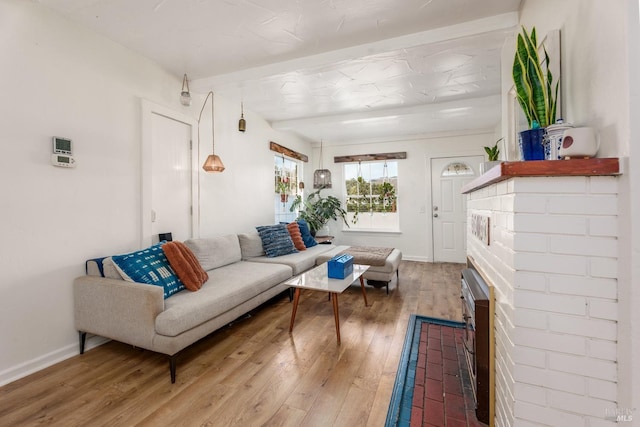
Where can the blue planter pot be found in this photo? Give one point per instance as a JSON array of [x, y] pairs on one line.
[[531, 146]]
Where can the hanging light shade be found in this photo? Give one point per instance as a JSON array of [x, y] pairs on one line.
[[185, 96], [321, 177], [213, 162], [242, 123]]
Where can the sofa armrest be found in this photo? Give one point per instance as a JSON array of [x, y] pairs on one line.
[[112, 308]]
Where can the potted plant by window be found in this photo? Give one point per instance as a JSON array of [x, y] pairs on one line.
[[317, 210], [535, 92], [283, 188], [387, 197]]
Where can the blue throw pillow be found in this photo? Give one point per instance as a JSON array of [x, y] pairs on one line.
[[276, 240], [307, 238], [149, 266]]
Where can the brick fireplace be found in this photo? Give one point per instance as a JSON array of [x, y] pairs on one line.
[[544, 234]]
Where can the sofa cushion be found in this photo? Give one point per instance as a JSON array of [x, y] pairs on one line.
[[307, 238], [300, 261], [250, 245], [93, 267], [185, 264], [227, 287], [149, 266], [109, 269], [296, 237], [215, 252], [276, 240]]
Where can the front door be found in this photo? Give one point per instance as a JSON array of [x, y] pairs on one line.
[[449, 207]]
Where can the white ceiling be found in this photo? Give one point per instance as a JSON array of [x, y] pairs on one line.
[[337, 70]]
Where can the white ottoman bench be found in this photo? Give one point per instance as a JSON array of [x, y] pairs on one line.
[[378, 273]]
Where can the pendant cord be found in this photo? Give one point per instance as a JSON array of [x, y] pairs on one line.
[[200, 118], [185, 81]]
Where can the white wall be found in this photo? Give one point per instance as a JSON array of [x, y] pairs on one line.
[[59, 79], [599, 68], [594, 40], [414, 187], [242, 196]]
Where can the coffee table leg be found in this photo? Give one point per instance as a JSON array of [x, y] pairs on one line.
[[296, 298], [334, 299], [364, 293]]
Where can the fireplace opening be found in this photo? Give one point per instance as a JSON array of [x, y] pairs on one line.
[[477, 314]]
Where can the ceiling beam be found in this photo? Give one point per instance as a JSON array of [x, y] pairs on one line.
[[505, 21], [427, 110]]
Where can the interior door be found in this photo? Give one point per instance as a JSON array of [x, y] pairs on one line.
[[448, 207], [171, 195]]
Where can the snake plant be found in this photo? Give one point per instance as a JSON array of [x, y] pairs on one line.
[[534, 88]]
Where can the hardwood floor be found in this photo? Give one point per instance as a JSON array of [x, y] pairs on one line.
[[252, 372]]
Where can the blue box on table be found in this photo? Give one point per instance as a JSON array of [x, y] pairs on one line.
[[340, 266]]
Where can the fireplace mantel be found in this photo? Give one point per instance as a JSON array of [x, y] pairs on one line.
[[573, 167]]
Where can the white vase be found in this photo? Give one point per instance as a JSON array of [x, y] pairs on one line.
[[486, 166]]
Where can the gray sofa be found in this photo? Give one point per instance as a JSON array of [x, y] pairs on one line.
[[241, 278]]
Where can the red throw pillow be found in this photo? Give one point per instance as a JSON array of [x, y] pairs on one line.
[[185, 264], [296, 236]]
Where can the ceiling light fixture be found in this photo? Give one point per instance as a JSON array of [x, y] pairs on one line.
[[242, 123], [213, 162], [321, 177], [185, 96]]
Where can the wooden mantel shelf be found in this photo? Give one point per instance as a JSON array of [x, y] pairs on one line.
[[573, 167]]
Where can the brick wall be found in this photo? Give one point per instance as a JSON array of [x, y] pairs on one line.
[[552, 258]]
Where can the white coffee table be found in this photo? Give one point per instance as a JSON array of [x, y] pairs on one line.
[[317, 279]]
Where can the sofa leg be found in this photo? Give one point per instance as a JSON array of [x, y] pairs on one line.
[[387, 288], [172, 368], [83, 337], [290, 294]]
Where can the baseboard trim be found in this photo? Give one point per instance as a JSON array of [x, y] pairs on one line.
[[416, 258], [39, 363]]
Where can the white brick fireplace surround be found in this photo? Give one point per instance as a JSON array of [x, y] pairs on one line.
[[552, 258]]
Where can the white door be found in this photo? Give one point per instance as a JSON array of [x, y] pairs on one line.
[[171, 198], [448, 205]]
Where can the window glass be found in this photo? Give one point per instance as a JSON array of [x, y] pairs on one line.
[[371, 195], [286, 186], [457, 169]]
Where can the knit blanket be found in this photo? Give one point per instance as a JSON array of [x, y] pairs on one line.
[[368, 255]]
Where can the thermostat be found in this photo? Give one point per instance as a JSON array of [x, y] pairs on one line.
[[63, 160], [62, 146]]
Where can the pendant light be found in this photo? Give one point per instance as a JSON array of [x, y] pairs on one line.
[[185, 96], [242, 123], [213, 162], [321, 177]]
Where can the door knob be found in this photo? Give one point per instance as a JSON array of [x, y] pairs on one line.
[[435, 215], [435, 208]]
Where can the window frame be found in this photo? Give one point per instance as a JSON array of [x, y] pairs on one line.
[[377, 221], [282, 211]]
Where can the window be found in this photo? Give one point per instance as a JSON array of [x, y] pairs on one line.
[[457, 169], [286, 187], [372, 196]]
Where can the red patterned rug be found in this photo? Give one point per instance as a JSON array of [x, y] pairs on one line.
[[433, 387]]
